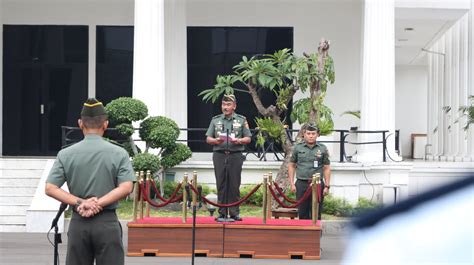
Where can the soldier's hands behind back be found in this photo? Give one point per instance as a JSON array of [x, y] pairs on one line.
[[89, 207]]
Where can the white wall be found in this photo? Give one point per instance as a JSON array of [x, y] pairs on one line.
[[338, 21], [411, 92]]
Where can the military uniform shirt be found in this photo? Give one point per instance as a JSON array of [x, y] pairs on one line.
[[92, 168], [309, 160], [236, 124]]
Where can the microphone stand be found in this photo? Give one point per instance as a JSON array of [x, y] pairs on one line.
[[57, 241], [195, 199], [227, 212], [57, 236]]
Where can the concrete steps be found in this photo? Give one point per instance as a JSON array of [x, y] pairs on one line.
[[19, 179]]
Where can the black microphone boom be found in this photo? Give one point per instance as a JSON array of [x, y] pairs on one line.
[[62, 207]]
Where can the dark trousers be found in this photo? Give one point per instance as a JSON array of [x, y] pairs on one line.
[[228, 169], [98, 237], [304, 209]]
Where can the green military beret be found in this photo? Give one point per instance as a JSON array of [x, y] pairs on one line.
[[312, 127], [93, 108], [229, 98]]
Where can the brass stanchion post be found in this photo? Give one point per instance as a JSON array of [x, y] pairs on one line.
[[140, 205], [193, 194], [269, 196], [148, 191], [264, 203], [314, 201], [185, 197], [136, 196]]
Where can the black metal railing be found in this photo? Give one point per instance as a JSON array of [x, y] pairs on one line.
[[72, 135]]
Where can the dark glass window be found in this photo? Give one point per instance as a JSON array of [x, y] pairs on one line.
[[44, 85], [213, 51], [114, 64]]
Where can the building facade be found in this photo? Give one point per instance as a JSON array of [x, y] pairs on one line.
[[56, 53]]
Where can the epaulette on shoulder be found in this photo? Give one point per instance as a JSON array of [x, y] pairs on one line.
[[217, 116], [68, 145], [116, 143], [241, 116]]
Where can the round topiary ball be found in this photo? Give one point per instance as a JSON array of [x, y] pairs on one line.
[[125, 129], [126, 110], [159, 132], [146, 161], [174, 155]]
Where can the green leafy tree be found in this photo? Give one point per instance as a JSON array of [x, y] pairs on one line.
[[284, 74], [123, 111], [158, 132]]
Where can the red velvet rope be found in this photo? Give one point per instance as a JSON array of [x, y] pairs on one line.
[[305, 196], [282, 194], [152, 202], [229, 204], [172, 198]]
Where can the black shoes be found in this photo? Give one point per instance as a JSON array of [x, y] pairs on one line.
[[236, 218], [223, 218]]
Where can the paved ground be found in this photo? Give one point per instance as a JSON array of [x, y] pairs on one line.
[[34, 249]]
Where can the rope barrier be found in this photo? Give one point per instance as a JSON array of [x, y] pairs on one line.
[[282, 194], [305, 196], [172, 198], [146, 196], [228, 204]]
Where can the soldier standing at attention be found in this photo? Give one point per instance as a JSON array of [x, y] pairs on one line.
[[98, 175], [308, 158], [228, 133]]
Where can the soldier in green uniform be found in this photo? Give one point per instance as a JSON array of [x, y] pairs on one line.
[[98, 175], [308, 158], [228, 133]]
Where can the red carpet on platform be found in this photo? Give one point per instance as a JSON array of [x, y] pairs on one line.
[[211, 220]]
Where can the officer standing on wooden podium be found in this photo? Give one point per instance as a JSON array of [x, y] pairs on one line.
[[228, 133]]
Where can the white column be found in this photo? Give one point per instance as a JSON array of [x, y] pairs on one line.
[[378, 79], [441, 73], [463, 86], [92, 60], [470, 137], [148, 55], [176, 62]]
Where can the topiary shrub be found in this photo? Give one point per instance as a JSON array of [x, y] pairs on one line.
[[159, 132], [126, 110], [146, 161], [125, 129], [174, 155]]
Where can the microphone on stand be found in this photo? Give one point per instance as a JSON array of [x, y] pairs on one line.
[[62, 207]]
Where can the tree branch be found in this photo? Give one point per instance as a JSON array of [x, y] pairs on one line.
[[258, 103]]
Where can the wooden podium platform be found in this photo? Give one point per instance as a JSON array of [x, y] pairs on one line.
[[278, 239]]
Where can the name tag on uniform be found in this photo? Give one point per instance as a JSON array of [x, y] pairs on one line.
[[315, 164]]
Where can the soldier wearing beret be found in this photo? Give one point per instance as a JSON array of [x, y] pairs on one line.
[[98, 174], [228, 133], [308, 158]]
